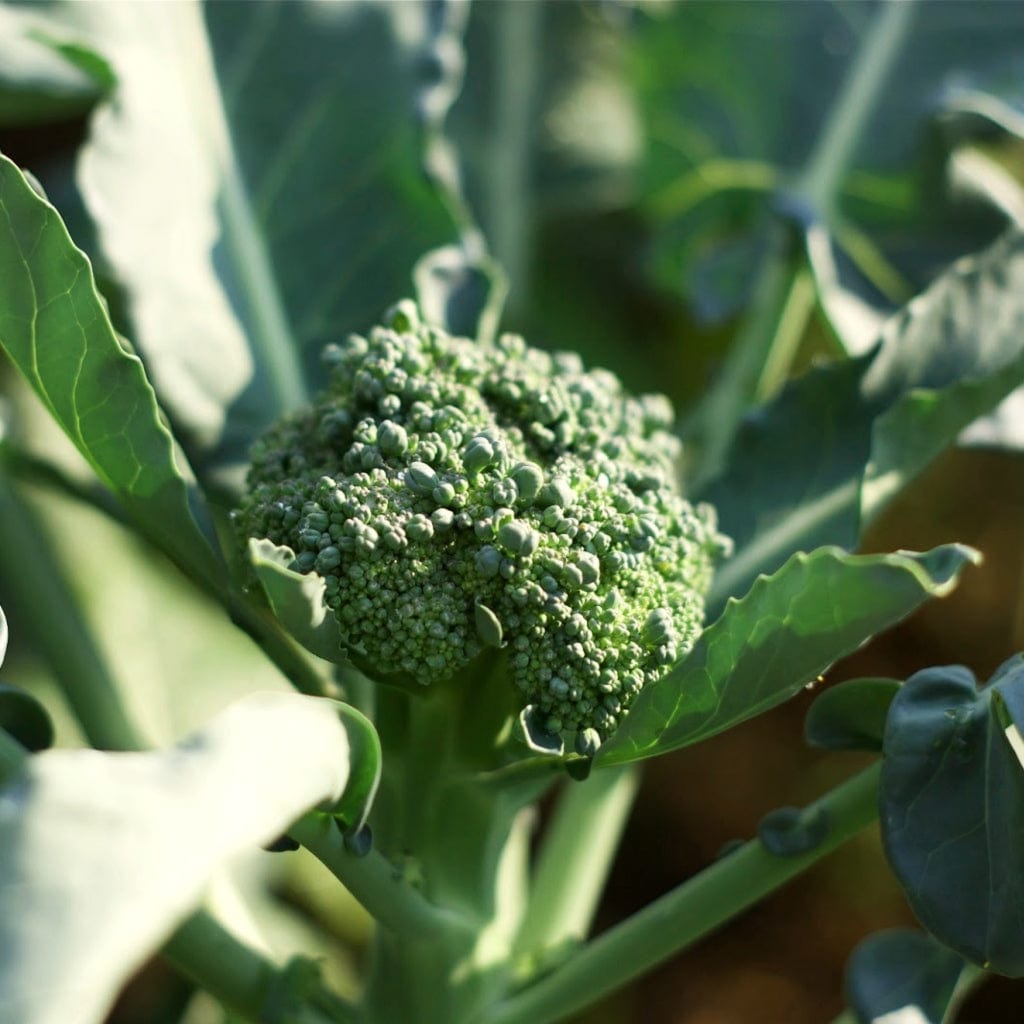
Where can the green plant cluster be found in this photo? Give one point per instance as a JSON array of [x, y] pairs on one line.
[[457, 496]]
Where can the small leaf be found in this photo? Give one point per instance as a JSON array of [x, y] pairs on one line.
[[460, 293], [102, 854], [951, 801], [901, 974], [297, 600], [55, 328], [851, 715], [785, 632], [536, 737], [365, 759], [488, 626], [792, 831], [25, 718]]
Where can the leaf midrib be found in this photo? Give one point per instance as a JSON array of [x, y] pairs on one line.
[[269, 332]]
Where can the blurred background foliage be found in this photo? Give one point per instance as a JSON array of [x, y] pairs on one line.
[[639, 170]]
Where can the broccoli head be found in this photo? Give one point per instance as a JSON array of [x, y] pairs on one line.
[[456, 496]]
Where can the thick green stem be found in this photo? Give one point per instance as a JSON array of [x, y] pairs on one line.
[[686, 914], [575, 859], [51, 617], [464, 845], [248, 983], [374, 881]]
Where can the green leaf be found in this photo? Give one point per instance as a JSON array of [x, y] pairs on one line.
[[901, 970], [54, 327], [822, 460], [850, 715], [257, 189], [297, 601], [731, 123], [42, 78], [951, 801], [102, 854], [766, 647]]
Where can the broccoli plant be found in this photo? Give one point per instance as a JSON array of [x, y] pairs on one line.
[[369, 601]]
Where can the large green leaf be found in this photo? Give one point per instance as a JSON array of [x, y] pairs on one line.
[[55, 328], [102, 854], [738, 102], [255, 181], [951, 800], [766, 647], [826, 456]]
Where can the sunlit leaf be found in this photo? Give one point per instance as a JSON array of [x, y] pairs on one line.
[[766, 647], [55, 328], [102, 854]]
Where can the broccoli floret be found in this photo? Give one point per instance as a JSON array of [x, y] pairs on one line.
[[456, 496]]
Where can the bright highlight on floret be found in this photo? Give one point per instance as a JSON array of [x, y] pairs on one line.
[[457, 496]]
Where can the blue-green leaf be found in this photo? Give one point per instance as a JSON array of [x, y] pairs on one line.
[[102, 854], [823, 459], [256, 182], [901, 974], [850, 715], [55, 328], [766, 647], [952, 809]]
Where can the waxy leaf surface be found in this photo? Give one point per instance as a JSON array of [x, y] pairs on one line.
[[102, 854], [951, 802]]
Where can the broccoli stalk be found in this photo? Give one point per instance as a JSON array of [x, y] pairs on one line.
[[498, 530], [457, 497]]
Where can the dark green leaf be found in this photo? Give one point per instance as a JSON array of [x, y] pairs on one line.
[[827, 455], [850, 715], [952, 809], [25, 718], [768, 646], [102, 854], [901, 970], [54, 327]]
